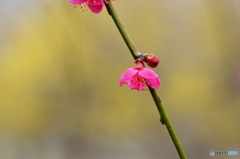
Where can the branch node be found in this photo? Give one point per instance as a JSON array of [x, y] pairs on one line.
[[162, 121]]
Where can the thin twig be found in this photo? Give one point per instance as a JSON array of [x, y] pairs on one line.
[[164, 119]]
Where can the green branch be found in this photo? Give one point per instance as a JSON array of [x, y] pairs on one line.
[[164, 119], [131, 46]]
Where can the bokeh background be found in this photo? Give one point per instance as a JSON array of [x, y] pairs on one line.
[[59, 72]]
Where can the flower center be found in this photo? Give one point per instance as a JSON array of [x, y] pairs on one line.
[[138, 82]]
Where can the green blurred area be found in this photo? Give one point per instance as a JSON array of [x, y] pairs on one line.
[[59, 72]]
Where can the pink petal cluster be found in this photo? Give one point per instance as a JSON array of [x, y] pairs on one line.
[[139, 78], [94, 5]]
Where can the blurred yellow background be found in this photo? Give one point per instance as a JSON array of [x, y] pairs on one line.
[[59, 72]]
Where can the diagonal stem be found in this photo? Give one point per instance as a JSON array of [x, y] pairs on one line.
[[164, 119], [131, 46]]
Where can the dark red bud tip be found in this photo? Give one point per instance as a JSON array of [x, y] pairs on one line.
[[151, 60]]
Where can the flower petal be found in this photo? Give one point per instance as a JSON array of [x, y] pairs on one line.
[[122, 81], [128, 74], [154, 83], [95, 2], [77, 1], [95, 8], [147, 73]]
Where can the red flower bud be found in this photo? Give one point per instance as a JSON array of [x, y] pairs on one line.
[[151, 60]]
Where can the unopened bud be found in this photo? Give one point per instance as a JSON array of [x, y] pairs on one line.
[[151, 60]]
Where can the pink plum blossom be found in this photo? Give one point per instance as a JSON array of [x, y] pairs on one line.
[[139, 78], [94, 5]]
